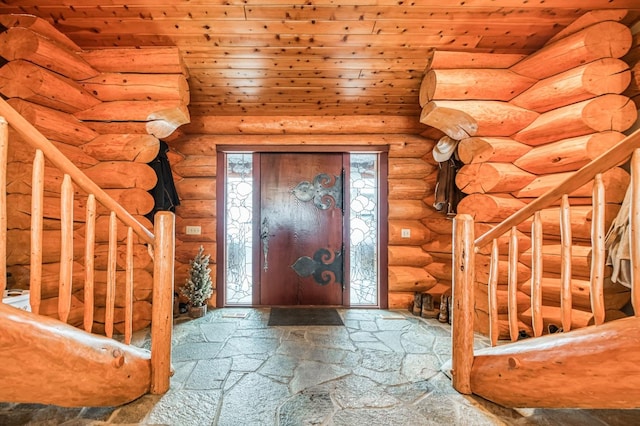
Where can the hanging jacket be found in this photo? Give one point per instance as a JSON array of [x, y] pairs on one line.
[[164, 193]]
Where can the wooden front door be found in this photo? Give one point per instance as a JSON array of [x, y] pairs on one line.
[[301, 229]]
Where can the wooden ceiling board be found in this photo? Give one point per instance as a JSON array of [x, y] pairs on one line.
[[312, 57]]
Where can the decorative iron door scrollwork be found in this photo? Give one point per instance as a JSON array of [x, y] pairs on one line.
[[325, 266], [323, 195]]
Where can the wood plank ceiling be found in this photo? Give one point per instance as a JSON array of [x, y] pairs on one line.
[[311, 57]]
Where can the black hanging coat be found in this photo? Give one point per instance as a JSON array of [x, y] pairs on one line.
[[164, 193]]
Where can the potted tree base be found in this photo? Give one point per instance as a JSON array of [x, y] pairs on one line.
[[198, 287]]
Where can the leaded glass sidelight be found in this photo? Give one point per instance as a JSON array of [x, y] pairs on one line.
[[363, 229], [239, 229]]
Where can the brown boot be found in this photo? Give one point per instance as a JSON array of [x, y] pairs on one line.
[[428, 310], [444, 309], [417, 304]]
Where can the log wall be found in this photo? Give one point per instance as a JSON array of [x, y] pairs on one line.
[[556, 115], [74, 99]]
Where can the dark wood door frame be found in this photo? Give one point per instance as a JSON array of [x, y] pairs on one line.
[[382, 152]]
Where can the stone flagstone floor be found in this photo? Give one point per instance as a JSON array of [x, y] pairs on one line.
[[380, 368]]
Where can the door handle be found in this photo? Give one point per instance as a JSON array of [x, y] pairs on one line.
[[264, 236]]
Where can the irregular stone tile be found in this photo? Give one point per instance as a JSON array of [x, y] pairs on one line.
[[271, 333], [141, 338], [247, 346], [383, 378], [396, 416], [252, 325], [193, 335], [195, 351], [233, 378], [181, 372], [421, 366], [352, 324], [304, 351], [391, 339], [392, 324], [417, 341], [310, 373], [359, 314], [218, 332], [324, 333], [248, 362], [481, 342], [445, 409], [377, 346], [252, 401], [381, 360], [363, 336], [294, 334], [369, 325], [185, 407], [410, 392], [442, 385], [434, 327], [352, 360], [231, 314], [360, 392], [135, 411], [310, 407], [442, 346], [279, 365], [209, 374], [336, 340]]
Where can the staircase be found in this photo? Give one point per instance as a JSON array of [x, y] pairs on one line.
[[584, 366], [45, 360]]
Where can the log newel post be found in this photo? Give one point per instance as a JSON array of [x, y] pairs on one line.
[[4, 153], [463, 302], [162, 310], [634, 221]]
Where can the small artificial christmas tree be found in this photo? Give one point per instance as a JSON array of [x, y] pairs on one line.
[[198, 287]]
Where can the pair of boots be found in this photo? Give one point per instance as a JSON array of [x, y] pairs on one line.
[[423, 306]]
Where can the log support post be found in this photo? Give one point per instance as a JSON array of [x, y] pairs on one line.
[[463, 302], [162, 311], [634, 221], [4, 153]]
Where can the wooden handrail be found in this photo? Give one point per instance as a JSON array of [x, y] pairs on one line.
[[39, 141], [606, 161]]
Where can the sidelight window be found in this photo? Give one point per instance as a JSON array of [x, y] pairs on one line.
[[239, 227], [363, 229]]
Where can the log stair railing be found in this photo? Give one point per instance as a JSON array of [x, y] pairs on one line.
[[597, 366], [48, 361]]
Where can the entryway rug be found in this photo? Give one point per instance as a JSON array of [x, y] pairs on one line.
[[304, 316]]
